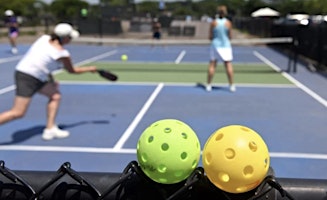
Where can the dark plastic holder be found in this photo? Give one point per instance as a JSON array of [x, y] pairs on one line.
[[19, 184], [65, 168]]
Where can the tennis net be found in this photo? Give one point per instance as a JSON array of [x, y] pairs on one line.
[[179, 41], [282, 44]]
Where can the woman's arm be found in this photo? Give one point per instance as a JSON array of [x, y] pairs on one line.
[[230, 27], [212, 26], [76, 70]]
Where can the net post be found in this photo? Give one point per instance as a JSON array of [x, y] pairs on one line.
[[293, 56]]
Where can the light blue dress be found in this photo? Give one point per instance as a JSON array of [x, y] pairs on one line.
[[221, 47], [220, 34]]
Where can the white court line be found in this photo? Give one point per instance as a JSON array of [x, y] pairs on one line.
[[95, 58], [7, 89], [11, 87], [180, 57], [65, 149], [4, 60], [138, 118], [298, 155], [293, 80], [174, 84], [71, 149]]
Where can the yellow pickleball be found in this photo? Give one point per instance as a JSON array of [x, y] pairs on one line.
[[235, 159]]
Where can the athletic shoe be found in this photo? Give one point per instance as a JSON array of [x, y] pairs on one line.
[[232, 88], [14, 50], [54, 132], [208, 88]]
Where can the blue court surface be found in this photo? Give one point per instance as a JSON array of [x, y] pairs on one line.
[[106, 119]]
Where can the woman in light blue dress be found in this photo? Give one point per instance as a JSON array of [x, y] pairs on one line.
[[220, 34]]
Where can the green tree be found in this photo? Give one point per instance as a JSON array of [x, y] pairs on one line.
[[315, 7], [251, 6], [20, 7], [66, 10], [290, 6]]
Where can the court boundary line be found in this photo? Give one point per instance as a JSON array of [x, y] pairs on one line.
[[138, 117], [180, 57], [181, 63], [250, 85], [72, 149], [10, 59], [292, 79], [7, 89]]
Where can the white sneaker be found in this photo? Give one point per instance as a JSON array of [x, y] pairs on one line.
[[14, 50], [232, 88], [208, 88], [54, 132]]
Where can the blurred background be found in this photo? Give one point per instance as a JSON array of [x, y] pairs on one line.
[[304, 20]]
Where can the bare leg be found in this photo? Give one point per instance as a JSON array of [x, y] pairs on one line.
[[51, 91], [211, 71], [52, 131], [17, 111], [12, 41], [230, 75], [230, 72], [52, 108]]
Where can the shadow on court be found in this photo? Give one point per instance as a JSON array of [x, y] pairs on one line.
[[23, 135], [203, 86]]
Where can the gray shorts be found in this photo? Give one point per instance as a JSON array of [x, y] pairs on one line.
[[27, 85]]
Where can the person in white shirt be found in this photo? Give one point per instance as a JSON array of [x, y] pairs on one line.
[[33, 75]]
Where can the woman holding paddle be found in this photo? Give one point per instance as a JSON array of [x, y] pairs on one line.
[[33, 75]]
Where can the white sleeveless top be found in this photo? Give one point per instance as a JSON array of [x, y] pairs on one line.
[[41, 59]]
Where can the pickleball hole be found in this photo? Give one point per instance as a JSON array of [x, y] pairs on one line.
[[194, 164], [167, 130], [230, 153], [184, 135], [248, 171], [164, 147], [150, 139], [178, 173], [162, 168], [245, 129], [253, 146], [208, 158], [183, 155], [219, 137], [224, 177], [266, 163], [144, 157]]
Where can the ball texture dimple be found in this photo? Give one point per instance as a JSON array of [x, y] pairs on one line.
[[168, 151], [235, 159]]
